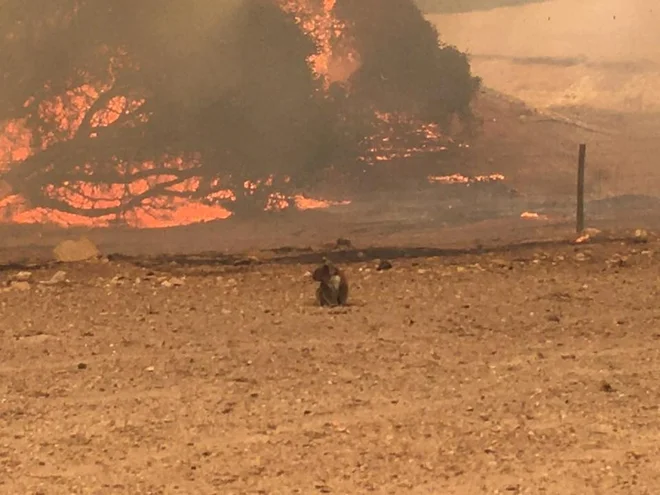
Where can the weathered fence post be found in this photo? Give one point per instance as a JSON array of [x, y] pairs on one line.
[[580, 189]]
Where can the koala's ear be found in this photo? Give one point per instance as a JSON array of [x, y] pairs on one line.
[[320, 273]]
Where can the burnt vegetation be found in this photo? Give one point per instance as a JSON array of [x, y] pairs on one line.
[[129, 104]]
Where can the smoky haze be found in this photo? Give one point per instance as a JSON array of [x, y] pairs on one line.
[[207, 71], [603, 53]]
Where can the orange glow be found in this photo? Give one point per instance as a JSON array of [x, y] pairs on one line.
[[335, 60], [462, 179], [65, 115], [528, 215], [397, 137]]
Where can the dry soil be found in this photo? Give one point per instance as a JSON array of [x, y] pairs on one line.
[[526, 370]]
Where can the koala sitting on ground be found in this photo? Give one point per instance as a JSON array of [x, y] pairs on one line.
[[333, 285]]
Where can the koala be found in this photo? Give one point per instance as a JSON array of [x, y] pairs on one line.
[[333, 285]]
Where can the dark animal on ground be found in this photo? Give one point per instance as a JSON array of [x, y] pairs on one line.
[[333, 285]]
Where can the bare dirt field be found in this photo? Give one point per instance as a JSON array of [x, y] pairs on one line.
[[527, 370]]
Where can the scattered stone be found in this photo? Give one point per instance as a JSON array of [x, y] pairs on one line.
[[581, 257], [641, 236], [58, 278], [173, 282], [322, 487], [117, 279], [20, 285], [70, 251], [617, 261], [553, 317], [22, 277], [606, 387], [384, 265]]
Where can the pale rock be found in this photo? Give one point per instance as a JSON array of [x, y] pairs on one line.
[[58, 278], [70, 251], [641, 235], [20, 285], [22, 277], [173, 282]]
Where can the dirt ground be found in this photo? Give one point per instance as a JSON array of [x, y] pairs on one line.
[[526, 370]]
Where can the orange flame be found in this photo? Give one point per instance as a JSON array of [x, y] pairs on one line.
[[462, 179], [530, 215], [66, 114], [335, 61]]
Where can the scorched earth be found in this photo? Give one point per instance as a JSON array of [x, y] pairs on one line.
[[529, 370]]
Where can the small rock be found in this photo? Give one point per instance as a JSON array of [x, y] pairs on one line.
[[80, 250], [20, 285], [617, 261], [58, 278], [82, 366], [150, 368], [606, 387], [22, 276], [581, 257], [173, 282], [384, 265], [322, 487], [641, 236], [553, 317]]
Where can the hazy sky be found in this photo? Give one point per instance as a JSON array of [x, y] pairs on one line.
[[594, 28]]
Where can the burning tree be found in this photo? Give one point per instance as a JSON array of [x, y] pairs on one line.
[[138, 103], [111, 108], [403, 66]]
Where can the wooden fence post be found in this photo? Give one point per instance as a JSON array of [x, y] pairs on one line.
[[580, 189]]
